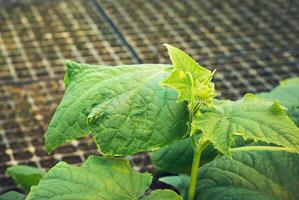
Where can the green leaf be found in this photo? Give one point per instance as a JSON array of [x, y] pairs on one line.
[[250, 118], [12, 195], [123, 107], [162, 195], [184, 64], [250, 176], [180, 182], [287, 94], [98, 178], [25, 176], [167, 158]]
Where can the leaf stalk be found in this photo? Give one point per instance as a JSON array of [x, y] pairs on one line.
[[262, 148]]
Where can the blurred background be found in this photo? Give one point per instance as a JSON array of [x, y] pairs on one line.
[[252, 44]]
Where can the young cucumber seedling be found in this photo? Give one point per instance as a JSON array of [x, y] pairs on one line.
[[245, 145], [218, 123]]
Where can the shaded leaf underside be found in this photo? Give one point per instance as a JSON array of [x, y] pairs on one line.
[[167, 158], [179, 182]]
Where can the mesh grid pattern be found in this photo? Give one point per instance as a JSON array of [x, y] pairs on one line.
[[36, 39], [253, 45]]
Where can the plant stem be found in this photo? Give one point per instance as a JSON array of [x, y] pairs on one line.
[[193, 141], [262, 148], [194, 172], [201, 145]]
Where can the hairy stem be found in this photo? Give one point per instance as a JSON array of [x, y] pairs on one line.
[[194, 172], [262, 148]]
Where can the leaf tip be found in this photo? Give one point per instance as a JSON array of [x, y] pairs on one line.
[[72, 68], [167, 45], [249, 97], [48, 148], [51, 142], [70, 64]]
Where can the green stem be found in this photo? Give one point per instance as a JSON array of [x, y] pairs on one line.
[[198, 146], [195, 166], [262, 148], [194, 172], [193, 141]]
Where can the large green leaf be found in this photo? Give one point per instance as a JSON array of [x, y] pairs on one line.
[[184, 66], [12, 195], [25, 176], [250, 176], [98, 178], [167, 158], [287, 93], [123, 107], [250, 118]]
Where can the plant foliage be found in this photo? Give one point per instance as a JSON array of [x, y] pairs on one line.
[[287, 93], [25, 176], [123, 107], [99, 178], [169, 108]]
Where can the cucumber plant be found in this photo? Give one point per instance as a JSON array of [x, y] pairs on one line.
[[220, 148]]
